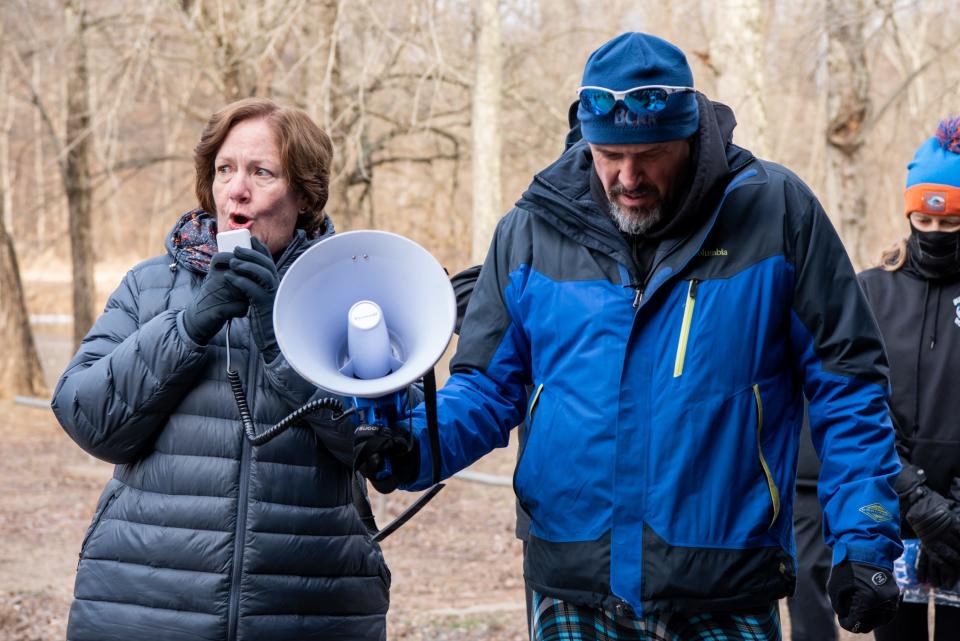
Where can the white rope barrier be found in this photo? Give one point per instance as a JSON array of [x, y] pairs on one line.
[[40, 403], [485, 479]]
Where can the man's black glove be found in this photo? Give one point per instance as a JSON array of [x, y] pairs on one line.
[[936, 521], [215, 303], [253, 272], [863, 596], [386, 456]]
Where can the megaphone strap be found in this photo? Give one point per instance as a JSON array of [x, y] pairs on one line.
[[408, 513], [433, 432]]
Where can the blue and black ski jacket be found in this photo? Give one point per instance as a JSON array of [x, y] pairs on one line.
[[663, 420]]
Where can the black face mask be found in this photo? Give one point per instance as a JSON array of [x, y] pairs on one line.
[[935, 254]]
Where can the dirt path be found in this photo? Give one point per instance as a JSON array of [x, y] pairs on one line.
[[456, 567]]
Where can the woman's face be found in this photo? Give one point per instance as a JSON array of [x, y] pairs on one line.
[[926, 222], [250, 189]]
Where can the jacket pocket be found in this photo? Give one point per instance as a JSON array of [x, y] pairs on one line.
[[771, 485], [106, 501], [685, 327], [528, 431]]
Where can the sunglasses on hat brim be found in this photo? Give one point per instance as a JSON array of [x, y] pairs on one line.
[[652, 98]]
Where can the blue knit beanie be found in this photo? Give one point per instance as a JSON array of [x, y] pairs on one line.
[[633, 60], [933, 176]]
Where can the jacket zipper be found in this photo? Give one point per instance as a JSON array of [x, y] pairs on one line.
[[530, 413], [240, 533], [771, 485], [685, 327]]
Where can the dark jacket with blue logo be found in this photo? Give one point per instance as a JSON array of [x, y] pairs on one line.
[[919, 318], [199, 535], [659, 468]]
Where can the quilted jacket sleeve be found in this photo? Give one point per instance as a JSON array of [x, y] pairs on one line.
[[125, 379], [841, 362]]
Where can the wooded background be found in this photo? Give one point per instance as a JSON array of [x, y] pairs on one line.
[[440, 111]]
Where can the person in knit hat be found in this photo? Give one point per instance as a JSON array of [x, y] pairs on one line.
[[915, 295], [654, 309]]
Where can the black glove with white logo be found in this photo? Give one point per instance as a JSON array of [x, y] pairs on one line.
[[386, 456], [863, 596], [936, 521]]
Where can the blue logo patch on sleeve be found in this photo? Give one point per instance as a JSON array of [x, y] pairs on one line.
[[877, 512]]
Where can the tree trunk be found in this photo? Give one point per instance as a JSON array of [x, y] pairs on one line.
[[20, 370], [848, 108], [485, 126], [325, 104], [76, 176], [740, 27]]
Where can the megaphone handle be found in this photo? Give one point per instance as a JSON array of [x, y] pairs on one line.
[[430, 398], [386, 470]]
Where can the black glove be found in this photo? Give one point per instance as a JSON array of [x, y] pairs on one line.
[[386, 456], [215, 303], [934, 519], [253, 272], [863, 596], [932, 569]]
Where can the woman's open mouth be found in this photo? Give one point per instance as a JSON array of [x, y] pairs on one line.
[[240, 221]]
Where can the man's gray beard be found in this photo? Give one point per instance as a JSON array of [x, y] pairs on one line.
[[639, 222]]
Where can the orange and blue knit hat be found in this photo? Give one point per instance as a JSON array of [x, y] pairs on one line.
[[933, 176]]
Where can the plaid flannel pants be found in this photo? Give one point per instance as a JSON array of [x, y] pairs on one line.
[[554, 620]]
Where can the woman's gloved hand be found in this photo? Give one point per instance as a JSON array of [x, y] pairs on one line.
[[253, 272], [216, 302], [935, 520], [930, 568]]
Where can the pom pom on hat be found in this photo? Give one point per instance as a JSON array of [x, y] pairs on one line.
[[933, 176], [948, 134]]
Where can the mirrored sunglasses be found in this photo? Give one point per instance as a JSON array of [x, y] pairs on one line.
[[652, 98]]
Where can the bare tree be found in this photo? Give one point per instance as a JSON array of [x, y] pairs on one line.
[[485, 126], [848, 106], [738, 52], [20, 369], [76, 170]]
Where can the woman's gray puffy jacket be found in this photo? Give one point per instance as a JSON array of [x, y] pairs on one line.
[[199, 535]]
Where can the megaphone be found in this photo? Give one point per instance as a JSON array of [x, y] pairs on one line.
[[364, 314]]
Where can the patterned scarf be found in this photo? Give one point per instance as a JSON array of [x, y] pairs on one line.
[[193, 241]]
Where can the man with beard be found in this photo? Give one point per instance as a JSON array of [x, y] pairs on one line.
[[655, 308]]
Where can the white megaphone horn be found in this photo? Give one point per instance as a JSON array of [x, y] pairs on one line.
[[364, 314]]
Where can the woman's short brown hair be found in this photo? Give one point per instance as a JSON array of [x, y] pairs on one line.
[[305, 154]]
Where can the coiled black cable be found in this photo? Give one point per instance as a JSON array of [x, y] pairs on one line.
[[332, 404], [246, 419]]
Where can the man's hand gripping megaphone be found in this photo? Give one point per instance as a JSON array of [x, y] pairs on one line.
[[387, 456]]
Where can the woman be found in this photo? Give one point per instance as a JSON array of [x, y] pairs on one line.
[[915, 294], [199, 535]]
